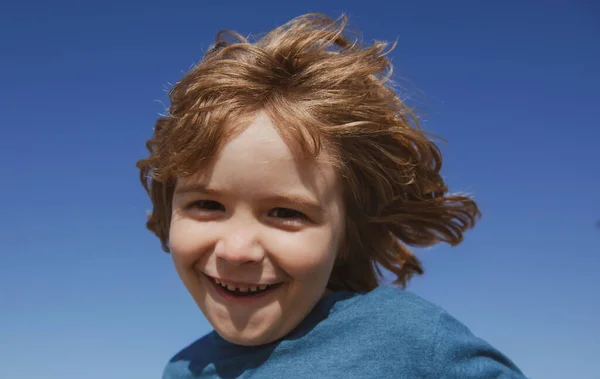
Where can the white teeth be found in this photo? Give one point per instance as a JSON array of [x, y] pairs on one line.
[[232, 287]]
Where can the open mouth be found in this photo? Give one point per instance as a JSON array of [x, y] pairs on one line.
[[243, 291]]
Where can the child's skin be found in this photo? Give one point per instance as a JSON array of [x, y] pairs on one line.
[[284, 171], [257, 215]]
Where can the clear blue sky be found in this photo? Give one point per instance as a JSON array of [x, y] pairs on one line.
[[85, 290]]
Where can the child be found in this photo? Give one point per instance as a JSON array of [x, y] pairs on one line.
[[285, 174]]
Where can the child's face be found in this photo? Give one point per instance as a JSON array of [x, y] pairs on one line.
[[256, 216]]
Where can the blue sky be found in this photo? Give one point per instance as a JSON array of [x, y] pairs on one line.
[[512, 86]]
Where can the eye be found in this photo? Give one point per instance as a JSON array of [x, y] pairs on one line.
[[286, 213], [207, 205]]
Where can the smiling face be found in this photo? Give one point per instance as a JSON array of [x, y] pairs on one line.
[[257, 216]]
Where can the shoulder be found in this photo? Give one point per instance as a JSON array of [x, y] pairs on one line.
[[436, 341], [400, 319], [399, 308], [399, 298]]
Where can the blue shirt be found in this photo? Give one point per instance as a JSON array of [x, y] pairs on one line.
[[385, 333]]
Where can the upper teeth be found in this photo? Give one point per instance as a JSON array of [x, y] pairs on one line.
[[232, 287]]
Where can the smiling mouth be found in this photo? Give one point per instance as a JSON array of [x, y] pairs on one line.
[[243, 291]]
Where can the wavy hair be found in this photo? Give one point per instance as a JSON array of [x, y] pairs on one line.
[[321, 88]]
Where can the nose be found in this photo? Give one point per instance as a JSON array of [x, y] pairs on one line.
[[239, 244]]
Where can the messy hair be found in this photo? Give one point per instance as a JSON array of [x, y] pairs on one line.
[[322, 89]]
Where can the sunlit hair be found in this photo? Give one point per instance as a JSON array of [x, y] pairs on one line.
[[322, 89]]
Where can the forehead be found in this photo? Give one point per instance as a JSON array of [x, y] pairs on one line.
[[255, 156], [259, 141], [306, 144]]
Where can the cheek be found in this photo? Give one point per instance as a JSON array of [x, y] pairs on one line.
[[306, 254], [188, 241]]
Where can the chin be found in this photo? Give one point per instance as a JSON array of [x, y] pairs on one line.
[[246, 339]]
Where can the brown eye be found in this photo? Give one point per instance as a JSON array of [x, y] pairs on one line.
[[287, 213], [207, 205]]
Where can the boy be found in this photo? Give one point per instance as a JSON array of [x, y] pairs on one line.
[[284, 174]]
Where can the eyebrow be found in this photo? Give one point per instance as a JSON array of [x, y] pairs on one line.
[[291, 198], [193, 188]]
